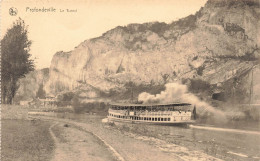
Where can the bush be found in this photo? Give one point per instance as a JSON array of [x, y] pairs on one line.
[[81, 107], [199, 86]]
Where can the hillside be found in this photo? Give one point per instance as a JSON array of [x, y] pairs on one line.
[[218, 46], [32, 85]]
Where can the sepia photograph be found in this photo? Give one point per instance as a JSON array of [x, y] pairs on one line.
[[130, 80]]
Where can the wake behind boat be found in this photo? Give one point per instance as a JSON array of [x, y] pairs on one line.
[[174, 113]]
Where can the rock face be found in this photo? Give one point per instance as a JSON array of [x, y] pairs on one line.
[[31, 85], [217, 44]]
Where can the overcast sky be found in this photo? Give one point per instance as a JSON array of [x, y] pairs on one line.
[[62, 31]]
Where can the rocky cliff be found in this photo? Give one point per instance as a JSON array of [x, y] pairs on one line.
[[219, 44], [32, 86]]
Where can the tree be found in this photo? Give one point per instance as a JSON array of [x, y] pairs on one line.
[[16, 62]]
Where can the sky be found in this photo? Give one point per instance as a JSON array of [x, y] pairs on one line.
[[61, 30]]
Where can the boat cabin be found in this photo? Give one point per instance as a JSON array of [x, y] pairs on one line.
[[151, 113]]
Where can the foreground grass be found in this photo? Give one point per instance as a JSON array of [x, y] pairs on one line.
[[26, 140]]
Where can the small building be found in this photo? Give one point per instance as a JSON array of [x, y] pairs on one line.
[[49, 100]]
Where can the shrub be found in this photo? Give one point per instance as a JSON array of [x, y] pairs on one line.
[[199, 86]]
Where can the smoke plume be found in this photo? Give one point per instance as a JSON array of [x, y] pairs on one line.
[[176, 92]]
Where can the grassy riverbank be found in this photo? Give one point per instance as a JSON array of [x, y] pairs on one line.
[[24, 139]]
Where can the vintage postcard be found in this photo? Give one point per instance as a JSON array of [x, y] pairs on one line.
[[130, 80]]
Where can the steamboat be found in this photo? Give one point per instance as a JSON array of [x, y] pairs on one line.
[[175, 113]]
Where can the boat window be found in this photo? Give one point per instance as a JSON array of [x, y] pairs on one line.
[[169, 119], [152, 119], [165, 119], [155, 119]]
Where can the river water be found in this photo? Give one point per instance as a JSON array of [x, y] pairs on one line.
[[223, 143]]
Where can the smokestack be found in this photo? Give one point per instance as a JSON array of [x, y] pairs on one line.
[[194, 113]]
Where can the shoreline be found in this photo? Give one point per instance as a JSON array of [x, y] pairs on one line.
[[132, 141]]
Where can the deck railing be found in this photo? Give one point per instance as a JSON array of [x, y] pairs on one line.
[[151, 113]]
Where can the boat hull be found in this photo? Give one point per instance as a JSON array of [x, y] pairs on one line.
[[112, 119]]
